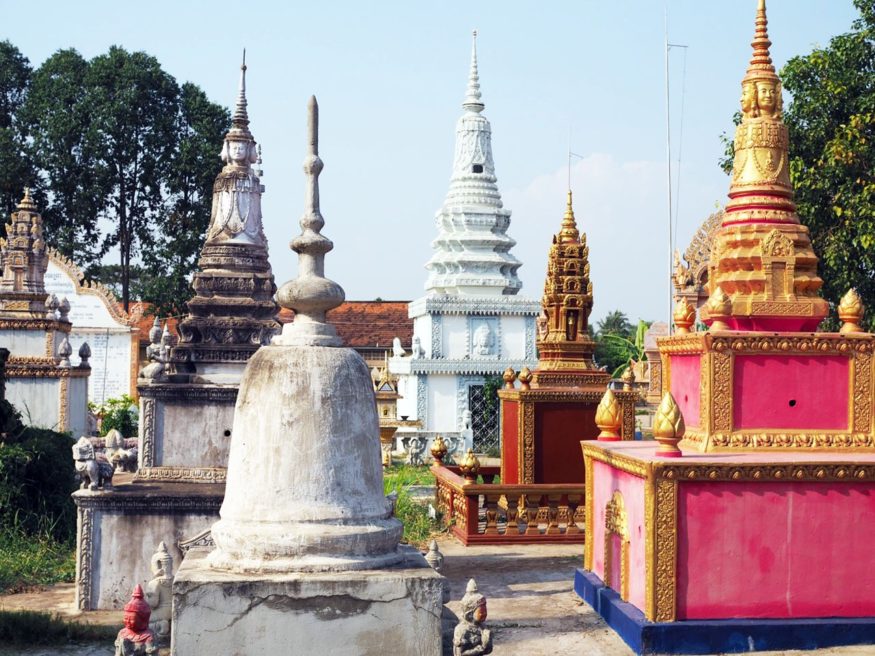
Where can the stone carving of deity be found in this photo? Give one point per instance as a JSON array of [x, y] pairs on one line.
[[159, 593], [397, 350], [418, 351], [483, 341], [136, 638], [471, 637]]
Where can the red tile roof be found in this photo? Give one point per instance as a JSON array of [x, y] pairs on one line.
[[368, 324]]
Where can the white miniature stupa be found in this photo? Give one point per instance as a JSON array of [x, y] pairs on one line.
[[471, 323]]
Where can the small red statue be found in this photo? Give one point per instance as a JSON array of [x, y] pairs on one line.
[[136, 638]]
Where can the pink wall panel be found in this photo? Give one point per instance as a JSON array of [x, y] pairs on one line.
[[790, 391], [685, 386], [606, 480], [775, 550]]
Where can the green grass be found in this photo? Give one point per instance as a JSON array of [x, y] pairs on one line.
[[418, 526], [27, 561], [25, 627]]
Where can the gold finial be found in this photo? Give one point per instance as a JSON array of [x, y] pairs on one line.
[[668, 427], [508, 376], [719, 308], [469, 466], [628, 377], [525, 378], [439, 450], [684, 316], [569, 231], [27, 202], [609, 417], [851, 311]]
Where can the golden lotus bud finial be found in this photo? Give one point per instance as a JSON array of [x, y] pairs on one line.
[[609, 417], [668, 427], [508, 376], [628, 377], [684, 316], [569, 231], [851, 311], [525, 378], [469, 466], [719, 308], [439, 450]]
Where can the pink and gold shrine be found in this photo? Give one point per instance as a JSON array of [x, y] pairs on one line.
[[759, 536]]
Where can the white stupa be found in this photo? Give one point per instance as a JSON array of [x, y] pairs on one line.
[[471, 323]]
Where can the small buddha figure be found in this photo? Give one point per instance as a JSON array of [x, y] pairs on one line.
[[471, 638], [766, 98], [136, 638], [483, 340], [159, 593]]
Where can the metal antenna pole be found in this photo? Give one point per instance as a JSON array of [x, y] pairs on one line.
[[668, 172]]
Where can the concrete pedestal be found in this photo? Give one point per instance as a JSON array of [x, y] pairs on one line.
[[395, 610]]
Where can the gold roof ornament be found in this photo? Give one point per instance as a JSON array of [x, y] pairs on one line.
[[762, 256], [508, 377], [718, 307], [851, 310], [469, 466], [668, 427], [609, 417], [684, 316], [628, 377]]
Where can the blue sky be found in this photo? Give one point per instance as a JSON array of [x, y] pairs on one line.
[[390, 78]]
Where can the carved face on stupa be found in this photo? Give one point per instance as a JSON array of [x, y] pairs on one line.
[[748, 99], [766, 97], [238, 152]]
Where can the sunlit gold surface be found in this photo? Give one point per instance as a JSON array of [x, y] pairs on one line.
[[668, 425], [851, 312], [609, 417], [684, 316]]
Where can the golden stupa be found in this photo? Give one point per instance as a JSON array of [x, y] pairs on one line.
[[762, 256]]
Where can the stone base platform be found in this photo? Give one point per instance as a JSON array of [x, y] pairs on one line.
[[717, 636], [119, 530], [396, 610]]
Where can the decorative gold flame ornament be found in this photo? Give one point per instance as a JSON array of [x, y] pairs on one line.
[[563, 339], [469, 466], [628, 378], [439, 450], [718, 307], [668, 427], [762, 256], [508, 376], [851, 311], [609, 417], [684, 316], [525, 378]]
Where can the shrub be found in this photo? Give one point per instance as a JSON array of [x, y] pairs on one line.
[[119, 413], [34, 628]]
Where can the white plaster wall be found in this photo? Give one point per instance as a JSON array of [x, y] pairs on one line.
[[124, 544], [407, 402], [455, 334], [77, 413], [441, 403], [513, 338], [422, 329], [193, 435], [37, 399], [24, 342]]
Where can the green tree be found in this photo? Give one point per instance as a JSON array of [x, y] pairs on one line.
[[16, 171], [831, 119], [832, 155], [614, 342]]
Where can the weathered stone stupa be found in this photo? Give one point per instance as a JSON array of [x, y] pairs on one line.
[[41, 382], [304, 523], [187, 394], [471, 323]]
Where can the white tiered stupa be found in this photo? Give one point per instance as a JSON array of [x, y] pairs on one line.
[[470, 324]]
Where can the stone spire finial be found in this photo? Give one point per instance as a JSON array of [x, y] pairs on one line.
[[311, 294], [26, 201], [761, 61], [472, 96], [240, 119], [23, 263]]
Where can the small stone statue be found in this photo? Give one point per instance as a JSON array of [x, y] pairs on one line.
[[158, 352], [466, 419], [136, 638], [94, 473], [417, 349], [397, 350], [122, 459], [483, 340], [434, 557], [159, 594], [415, 449], [471, 638]]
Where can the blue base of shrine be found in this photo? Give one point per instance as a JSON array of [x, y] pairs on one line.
[[717, 636]]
